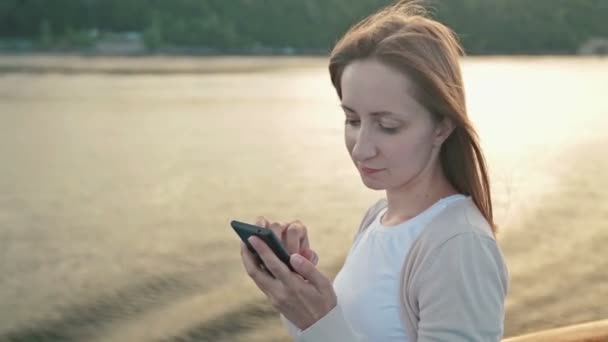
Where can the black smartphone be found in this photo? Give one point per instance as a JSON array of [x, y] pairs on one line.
[[245, 230]]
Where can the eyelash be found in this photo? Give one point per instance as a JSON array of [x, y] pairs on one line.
[[389, 130]]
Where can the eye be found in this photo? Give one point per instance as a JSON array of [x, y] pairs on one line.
[[352, 122], [390, 130]]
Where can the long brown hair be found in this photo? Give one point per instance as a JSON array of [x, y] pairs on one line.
[[404, 37]]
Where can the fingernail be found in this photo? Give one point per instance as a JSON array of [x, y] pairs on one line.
[[252, 240], [298, 259]]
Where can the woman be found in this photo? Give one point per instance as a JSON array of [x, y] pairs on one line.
[[425, 265]]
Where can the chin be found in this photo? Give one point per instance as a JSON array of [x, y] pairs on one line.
[[373, 185]]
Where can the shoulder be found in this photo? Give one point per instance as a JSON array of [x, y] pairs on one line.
[[457, 287], [459, 233], [372, 211], [369, 215], [458, 218], [378, 205]]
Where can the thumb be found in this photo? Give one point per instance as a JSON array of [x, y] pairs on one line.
[[307, 269]]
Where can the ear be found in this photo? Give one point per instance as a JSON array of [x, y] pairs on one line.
[[443, 130]]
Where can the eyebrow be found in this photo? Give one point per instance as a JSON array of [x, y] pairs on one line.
[[378, 113]]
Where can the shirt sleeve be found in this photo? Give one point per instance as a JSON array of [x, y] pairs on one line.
[[292, 330], [330, 328], [461, 291]]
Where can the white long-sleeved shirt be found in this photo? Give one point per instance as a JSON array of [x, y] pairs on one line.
[[379, 253], [373, 310]]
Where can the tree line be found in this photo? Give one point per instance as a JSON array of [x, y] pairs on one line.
[[484, 26]]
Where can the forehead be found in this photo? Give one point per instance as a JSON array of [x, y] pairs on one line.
[[369, 86]]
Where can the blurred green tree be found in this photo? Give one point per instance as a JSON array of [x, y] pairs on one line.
[[484, 26]]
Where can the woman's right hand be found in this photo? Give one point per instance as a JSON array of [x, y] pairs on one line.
[[293, 235]]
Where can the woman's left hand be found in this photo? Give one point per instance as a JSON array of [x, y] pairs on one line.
[[303, 297]]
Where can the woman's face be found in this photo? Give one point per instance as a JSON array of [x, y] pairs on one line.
[[386, 129]]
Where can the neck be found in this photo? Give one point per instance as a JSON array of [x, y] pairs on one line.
[[414, 197]]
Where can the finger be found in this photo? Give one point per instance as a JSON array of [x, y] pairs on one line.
[[311, 255], [278, 229], [315, 258], [256, 258], [252, 265], [308, 271], [296, 229], [261, 221], [295, 238], [272, 262], [250, 260]]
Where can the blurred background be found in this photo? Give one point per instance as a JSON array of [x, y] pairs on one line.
[[132, 132]]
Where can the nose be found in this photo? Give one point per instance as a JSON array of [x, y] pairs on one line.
[[364, 147]]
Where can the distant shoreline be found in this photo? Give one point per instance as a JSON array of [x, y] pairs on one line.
[[164, 64], [266, 52], [149, 64]]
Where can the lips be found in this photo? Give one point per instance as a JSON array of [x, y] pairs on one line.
[[368, 170]]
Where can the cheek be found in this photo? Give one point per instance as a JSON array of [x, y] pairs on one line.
[[350, 138], [408, 151]]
